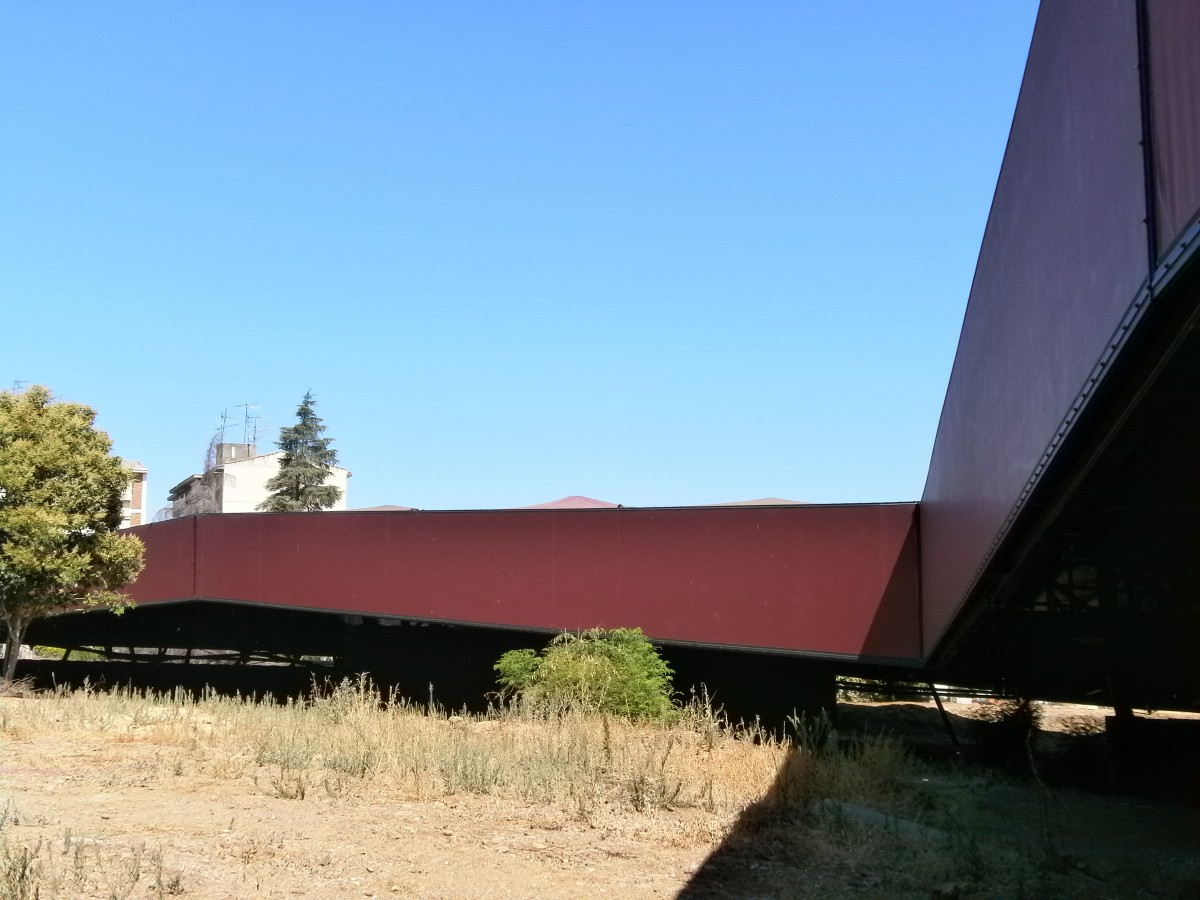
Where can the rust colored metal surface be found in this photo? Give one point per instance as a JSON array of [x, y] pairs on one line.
[[824, 580], [1063, 260], [170, 559], [1174, 34]]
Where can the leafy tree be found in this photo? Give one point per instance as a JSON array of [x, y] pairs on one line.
[[60, 508], [615, 671], [307, 463]]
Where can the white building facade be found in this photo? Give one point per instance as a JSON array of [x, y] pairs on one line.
[[238, 482]]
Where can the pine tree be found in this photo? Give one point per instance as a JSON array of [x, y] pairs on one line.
[[307, 463]]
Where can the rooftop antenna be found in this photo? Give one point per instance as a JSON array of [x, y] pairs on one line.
[[19, 385], [246, 419], [224, 424]]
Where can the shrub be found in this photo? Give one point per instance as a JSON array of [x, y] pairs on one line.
[[614, 671], [1006, 731]]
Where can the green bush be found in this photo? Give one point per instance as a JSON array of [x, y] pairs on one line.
[[613, 671]]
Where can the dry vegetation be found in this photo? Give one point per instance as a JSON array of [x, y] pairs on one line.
[[132, 795], [349, 742], [346, 752]]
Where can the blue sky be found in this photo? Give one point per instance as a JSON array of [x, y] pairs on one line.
[[657, 254]]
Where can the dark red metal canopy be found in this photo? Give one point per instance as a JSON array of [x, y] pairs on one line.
[[824, 580]]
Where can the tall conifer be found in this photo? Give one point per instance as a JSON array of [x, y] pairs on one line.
[[307, 463]]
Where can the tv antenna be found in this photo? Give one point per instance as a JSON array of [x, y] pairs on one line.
[[246, 420], [254, 422], [224, 425]]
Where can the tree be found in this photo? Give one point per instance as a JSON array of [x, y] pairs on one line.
[[200, 499], [615, 671], [60, 508], [306, 465], [201, 495]]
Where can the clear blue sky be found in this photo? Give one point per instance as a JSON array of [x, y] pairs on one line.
[[654, 253]]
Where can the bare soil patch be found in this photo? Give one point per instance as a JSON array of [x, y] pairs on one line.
[[230, 838]]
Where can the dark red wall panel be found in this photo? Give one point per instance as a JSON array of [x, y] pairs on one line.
[[1063, 256], [170, 559], [836, 580], [1174, 32]]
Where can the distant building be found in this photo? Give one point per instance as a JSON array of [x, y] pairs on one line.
[[237, 483], [133, 501]]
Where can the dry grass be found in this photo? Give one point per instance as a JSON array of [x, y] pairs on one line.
[[349, 741], [348, 744], [696, 781], [74, 866]]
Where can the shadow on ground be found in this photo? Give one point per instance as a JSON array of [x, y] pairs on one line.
[[995, 831]]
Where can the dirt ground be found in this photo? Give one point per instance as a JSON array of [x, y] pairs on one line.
[[104, 805], [146, 820], [224, 838]]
